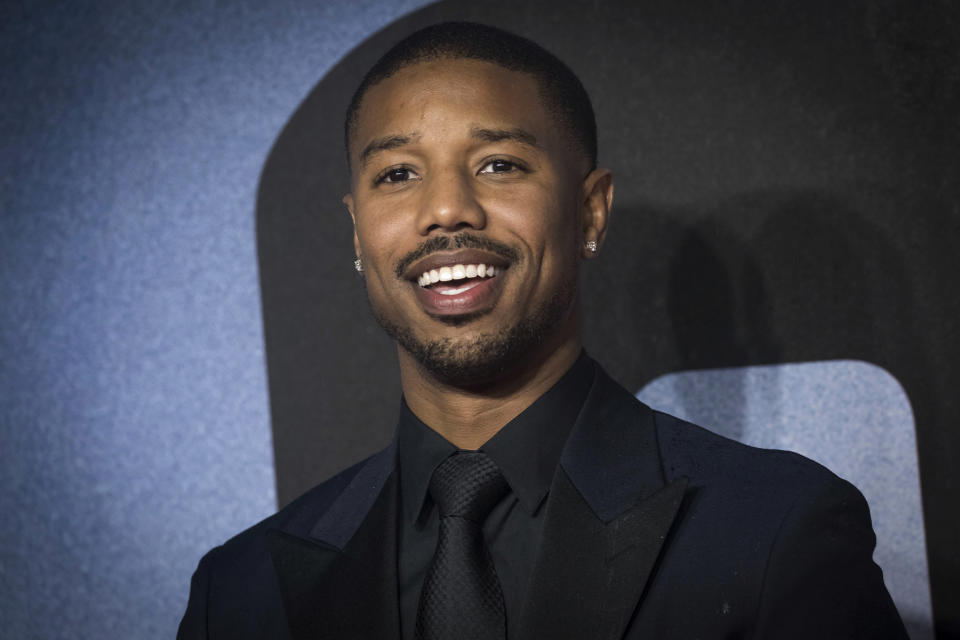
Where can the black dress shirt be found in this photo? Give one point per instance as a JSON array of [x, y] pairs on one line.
[[527, 451]]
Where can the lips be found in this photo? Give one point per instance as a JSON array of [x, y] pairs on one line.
[[457, 283]]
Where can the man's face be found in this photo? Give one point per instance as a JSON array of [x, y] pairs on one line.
[[467, 202]]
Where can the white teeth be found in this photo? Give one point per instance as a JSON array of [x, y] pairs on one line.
[[453, 292], [456, 272]]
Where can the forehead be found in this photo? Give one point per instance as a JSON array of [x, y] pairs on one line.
[[433, 94]]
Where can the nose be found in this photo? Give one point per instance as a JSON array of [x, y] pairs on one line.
[[449, 203]]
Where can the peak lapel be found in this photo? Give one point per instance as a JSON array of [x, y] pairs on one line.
[[590, 575], [608, 515], [339, 580]]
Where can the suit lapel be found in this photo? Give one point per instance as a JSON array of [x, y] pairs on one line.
[[608, 515], [338, 579], [590, 575]]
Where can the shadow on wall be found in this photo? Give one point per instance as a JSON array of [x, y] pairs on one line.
[[785, 193], [760, 278], [719, 314]]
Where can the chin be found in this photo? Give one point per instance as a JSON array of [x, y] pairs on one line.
[[483, 357]]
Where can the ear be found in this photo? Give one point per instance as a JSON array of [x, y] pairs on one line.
[[348, 200], [595, 209]]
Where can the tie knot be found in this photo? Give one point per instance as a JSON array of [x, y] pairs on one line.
[[467, 485]]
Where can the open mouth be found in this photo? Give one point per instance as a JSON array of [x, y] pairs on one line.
[[456, 279], [466, 282]]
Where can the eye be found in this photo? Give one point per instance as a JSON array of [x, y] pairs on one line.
[[500, 165], [395, 175]]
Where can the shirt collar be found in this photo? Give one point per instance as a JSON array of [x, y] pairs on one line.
[[527, 449]]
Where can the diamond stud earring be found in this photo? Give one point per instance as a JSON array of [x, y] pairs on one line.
[[358, 265], [591, 246]]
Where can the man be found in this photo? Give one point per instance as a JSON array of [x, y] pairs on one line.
[[526, 495]]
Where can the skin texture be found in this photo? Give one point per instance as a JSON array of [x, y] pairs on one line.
[[457, 149]]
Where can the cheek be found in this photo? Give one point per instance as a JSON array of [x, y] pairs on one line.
[[547, 224], [531, 210], [378, 235]]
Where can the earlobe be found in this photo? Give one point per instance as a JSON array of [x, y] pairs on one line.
[[597, 202]]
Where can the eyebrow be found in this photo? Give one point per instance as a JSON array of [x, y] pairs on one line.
[[498, 135], [384, 144]]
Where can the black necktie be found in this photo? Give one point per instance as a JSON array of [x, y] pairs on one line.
[[461, 597]]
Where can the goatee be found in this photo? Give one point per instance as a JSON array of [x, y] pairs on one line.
[[473, 362]]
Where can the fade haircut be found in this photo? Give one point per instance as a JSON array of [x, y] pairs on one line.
[[560, 89]]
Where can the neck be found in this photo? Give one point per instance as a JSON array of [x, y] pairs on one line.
[[469, 416]]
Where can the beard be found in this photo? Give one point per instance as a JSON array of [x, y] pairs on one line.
[[475, 361]]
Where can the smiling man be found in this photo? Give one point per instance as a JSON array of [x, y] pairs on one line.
[[526, 494], [472, 210]]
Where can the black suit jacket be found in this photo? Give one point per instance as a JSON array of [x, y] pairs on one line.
[[655, 528]]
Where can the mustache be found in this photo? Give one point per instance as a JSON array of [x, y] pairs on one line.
[[463, 240]]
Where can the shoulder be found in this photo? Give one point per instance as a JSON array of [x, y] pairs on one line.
[[296, 517], [620, 444], [782, 541], [751, 498], [712, 464], [689, 450], [234, 591], [776, 512], [247, 553]]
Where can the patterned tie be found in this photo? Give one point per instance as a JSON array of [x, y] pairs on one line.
[[461, 597]]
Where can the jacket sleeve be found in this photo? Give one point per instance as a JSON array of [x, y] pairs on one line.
[[193, 626], [820, 580]]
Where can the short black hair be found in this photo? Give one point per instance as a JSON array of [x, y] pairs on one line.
[[560, 89]]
